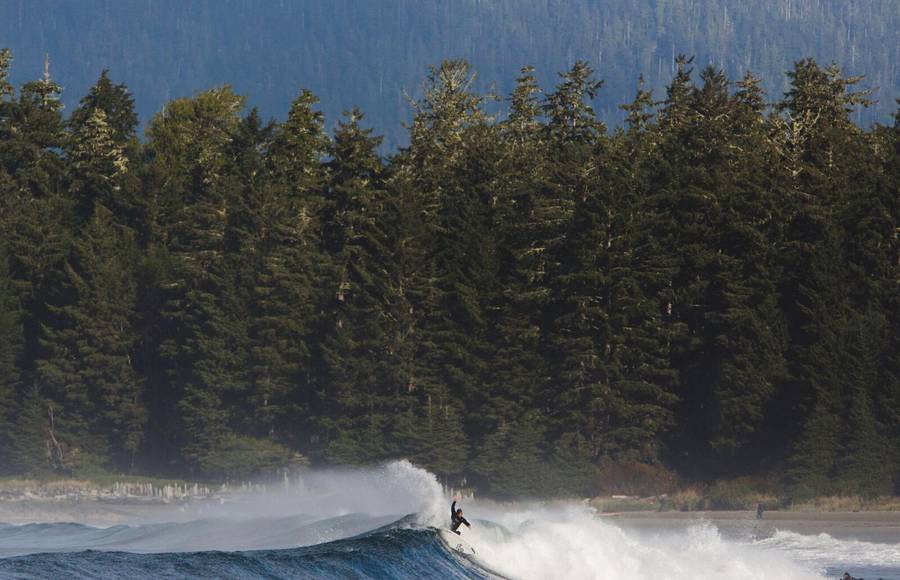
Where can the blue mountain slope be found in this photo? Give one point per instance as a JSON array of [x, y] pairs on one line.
[[370, 54]]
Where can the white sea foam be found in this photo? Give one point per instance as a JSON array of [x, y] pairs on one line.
[[825, 551], [570, 542]]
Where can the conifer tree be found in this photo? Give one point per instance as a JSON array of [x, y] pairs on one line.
[[743, 315], [7, 131], [205, 350], [717, 213], [244, 246], [7, 91], [523, 126], [869, 221], [817, 133], [684, 213], [636, 353], [887, 398], [411, 296], [517, 372], [575, 318], [117, 105], [865, 466], [38, 136], [97, 163], [10, 353], [85, 365], [102, 135], [814, 454], [286, 296], [356, 342], [818, 360], [638, 371], [36, 217], [452, 157], [511, 461], [7, 96], [744, 327], [11, 334], [87, 369], [431, 435]]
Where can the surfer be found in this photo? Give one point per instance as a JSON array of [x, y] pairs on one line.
[[457, 519]]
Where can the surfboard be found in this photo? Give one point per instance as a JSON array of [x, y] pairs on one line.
[[457, 543]]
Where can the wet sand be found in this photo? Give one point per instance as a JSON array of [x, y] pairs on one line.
[[882, 527]]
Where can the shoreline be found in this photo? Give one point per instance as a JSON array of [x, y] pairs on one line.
[[118, 502], [866, 526], [114, 501], [103, 511]]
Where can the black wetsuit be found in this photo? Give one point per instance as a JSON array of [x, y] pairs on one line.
[[455, 520]]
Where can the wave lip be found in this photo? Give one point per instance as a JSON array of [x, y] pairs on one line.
[[194, 536]]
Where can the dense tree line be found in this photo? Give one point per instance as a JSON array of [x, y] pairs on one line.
[[520, 301]]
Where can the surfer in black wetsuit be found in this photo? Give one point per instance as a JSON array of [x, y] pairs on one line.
[[457, 519]]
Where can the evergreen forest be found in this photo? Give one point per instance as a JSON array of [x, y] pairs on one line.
[[520, 300]]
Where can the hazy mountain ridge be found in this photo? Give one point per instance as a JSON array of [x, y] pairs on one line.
[[370, 54]]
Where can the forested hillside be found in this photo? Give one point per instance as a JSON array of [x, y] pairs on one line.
[[367, 53], [526, 303]]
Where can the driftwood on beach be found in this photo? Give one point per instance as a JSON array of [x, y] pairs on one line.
[[121, 491]]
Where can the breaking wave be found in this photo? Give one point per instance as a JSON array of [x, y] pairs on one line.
[[384, 523]]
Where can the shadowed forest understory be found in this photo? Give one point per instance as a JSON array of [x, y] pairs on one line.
[[529, 304]]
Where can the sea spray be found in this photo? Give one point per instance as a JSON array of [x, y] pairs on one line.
[[571, 542], [383, 522], [394, 488], [824, 550], [319, 506]]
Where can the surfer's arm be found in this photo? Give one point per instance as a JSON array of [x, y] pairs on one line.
[[465, 521], [453, 509]]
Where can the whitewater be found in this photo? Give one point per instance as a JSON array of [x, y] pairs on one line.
[[384, 522]]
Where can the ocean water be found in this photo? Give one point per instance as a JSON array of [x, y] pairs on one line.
[[384, 523]]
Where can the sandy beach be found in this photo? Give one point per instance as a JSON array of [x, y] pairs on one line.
[[871, 526], [882, 527]]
